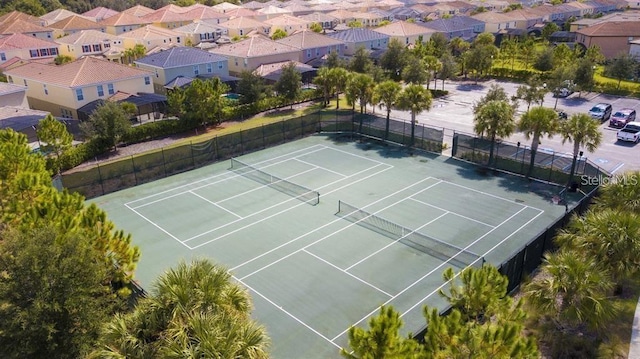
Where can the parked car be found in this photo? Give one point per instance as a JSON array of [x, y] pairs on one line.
[[601, 111], [565, 90], [630, 132], [622, 117], [562, 115]]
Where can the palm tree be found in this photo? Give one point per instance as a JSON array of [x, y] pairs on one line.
[[623, 194], [610, 237], [194, 309], [536, 123], [583, 131], [494, 119], [573, 291], [361, 86], [323, 81], [386, 94], [416, 99], [338, 79]]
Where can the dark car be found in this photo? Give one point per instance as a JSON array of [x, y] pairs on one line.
[[562, 115], [622, 117]]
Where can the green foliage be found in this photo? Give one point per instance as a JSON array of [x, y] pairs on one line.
[[354, 23], [362, 86], [250, 87], [202, 102], [52, 294], [316, 27], [438, 42], [495, 93], [338, 77], [548, 29], [584, 75], [385, 95], [495, 120], [279, 34], [53, 136], [394, 59], [31, 7], [623, 195], [544, 60], [594, 54], [289, 83], [135, 53], [415, 71], [195, 311], [62, 59], [109, 122], [416, 99], [535, 124], [333, 60], [621, 67], [361, 61]]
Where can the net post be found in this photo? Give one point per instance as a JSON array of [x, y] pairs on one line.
[[231, 160], [318, 196]]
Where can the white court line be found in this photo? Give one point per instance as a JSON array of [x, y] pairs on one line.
[[454, 213], [431, 272], [287, 313], [491, 195], [300, 204], [222, 175], [354, 155], [457, 274], [347, 273], [320, 167], [271, 207], [157, 226], [394, 242], [215, 204], [617, 168], [330, 234]]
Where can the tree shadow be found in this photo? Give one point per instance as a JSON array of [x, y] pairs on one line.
[[470, 87]]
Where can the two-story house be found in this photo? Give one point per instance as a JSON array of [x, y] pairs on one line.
[[184, 62], [28, 28], [287, 23], [242, 26], [464, 27], [361, 37], [62, 90], [138, 10], [151, 37], [26, 47], [327, 22], [312, 46], [165, 18], [405, 32], [613, 37], [55, 16], [88, 43], [99, 13], [73, 24], [495, 21], [249, 54], [121, 23], [206, 14], [199, 32]]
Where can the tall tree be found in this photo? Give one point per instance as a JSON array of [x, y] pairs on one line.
[[495, 93], [527, 52], [333, 60], [194, 310], [109, 122], [432, 65], [439, 44], [323, 81], [509, 49], [289, 84], [361, 61], [339, 78], [532, 92], [563, 55], [394, 59], [251, 87], [584, 75], [548, 29], [54, 137], [594, 54], [386, 94], [448, 68], [416, 99], [415, 71], [621, 67], [382, 339], [584, 132], [494, 119], [536, 123], [545, 60], [52, 294], [203, 101], [364, 86]]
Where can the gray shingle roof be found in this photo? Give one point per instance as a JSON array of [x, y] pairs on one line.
[[357, 35], [179, 57], [455, 23]]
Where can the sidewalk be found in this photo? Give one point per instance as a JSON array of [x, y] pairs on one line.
[[634, 346]]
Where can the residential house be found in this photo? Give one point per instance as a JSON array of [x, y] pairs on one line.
[[19, 26], [312, 46], [464, 27], [270, 12], [74, 24], [327, 21], [495, 21], [369, 19], [613, 37], [271, 73], [99, 13], [224, 7], [13, 95], [64, 89], [138, 11], [385, 15], [243, 26], [406, 32], [634, 49], [88, 43], [343, 16], [249, 54], [198, 32], [254, 5], [583, 8], [17, 15], [151, 37], [242, 12], [55, 16], [404, 13], [167, 19], [183, 62], [121, 23], [361, 37], [206, 14], [527, 19], [497, 5], [633, 4], [298, 9], [26, 47], [323, 8], [287, 23]]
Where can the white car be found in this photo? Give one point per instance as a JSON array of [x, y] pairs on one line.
[[630, 132]]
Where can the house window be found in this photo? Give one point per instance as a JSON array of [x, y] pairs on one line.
[[33, 53], [79, 95], [308, 53], [48, 35], [3, 56], [220, 65], [147, 80], [110, 89], [209, 68], [96, 48], [246, 62], [100, 91], [66, 113], [86, 48], [178, 39], [196, 70], [157, 75], [107, 45], [46, 92], [317, 51]]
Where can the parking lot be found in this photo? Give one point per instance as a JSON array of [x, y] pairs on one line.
[[455, 112]]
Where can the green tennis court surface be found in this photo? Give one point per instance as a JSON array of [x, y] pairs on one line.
[[315, 268]]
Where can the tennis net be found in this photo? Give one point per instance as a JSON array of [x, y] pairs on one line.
[[302, 193], [431, 246]]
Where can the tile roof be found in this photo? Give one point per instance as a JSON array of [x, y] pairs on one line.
[[357, 35], [255, 46], [243, 23], [20, 118], [225, 6], [297, 9], [274, 70], [318, 17], [174, 8], [455, 23], [323, 7], [494, 17], [308, 39], [286, 20], [6, 88], [254, 5], [198, 28], [242, 12], [75, 22], [343, 14], [180, 81], [99, 13], [403, 28], [21, 26], [205, 13], [180, 57], [17, 15], [270, 10], [83, 72], [612, 29], [87, 37], [56, 15], [21, 41], [165, 15], [150, 32], [123, 19], [138, 10]]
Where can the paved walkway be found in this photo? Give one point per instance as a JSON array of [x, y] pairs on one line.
[[634, 346]]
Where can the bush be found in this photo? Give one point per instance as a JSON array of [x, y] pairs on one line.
[[156, 129]]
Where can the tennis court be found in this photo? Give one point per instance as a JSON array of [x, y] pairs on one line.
[[322, 231]]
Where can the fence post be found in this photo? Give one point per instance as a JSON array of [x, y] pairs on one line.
[[282, 127], [553, 159], [264, 140], [241, 142], [100, 177], [454, 145], [133, 167], [216, 156], [193, 158], [164, 162]]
